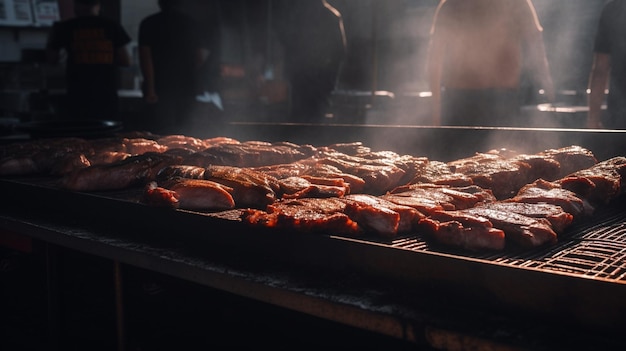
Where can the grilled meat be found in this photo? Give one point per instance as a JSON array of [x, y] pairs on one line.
[[251, 154], [183, 142], [182, 171], [570, 158], [542, 191], [599, 183], [132, 171], [306, 216], [190, 194], [463, 230], [436, 172], [450, 197], [383, 217], [301, 187], [379, 176], [522, 230], [503, 177], [250, 188], [558, 218]]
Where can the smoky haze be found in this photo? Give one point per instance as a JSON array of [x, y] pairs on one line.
[[387, 48], [391, 56]]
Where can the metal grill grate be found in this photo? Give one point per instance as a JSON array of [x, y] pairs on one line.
[[599, 252], [595, 249]]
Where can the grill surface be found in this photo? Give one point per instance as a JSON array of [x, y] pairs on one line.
[[593, 249], [581, 279]]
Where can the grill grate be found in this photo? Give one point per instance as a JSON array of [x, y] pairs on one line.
[[596, 249]]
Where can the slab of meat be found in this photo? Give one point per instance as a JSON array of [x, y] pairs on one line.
[[300, 187], [285, 170], [183, 142], [542, 191], [425, 205], [540, 166], [437, 172], [300, 179], [411, 165], [558, 218], [353, 148], [138, 146], [522, 230], [380, 216], [189, 194], [462, 230], [319, 170], [250, 188], [53, 157], [305, 216], [251, 154], [132, 171], [600, 183], [571, 158], [379, 177], [503, 177], [182, 171], [453, 198]]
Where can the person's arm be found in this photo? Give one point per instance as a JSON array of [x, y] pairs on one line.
[[535, 48], [598, 81], [434, 69], [541, 68], [122, 56], [147, 70], [434, 80]]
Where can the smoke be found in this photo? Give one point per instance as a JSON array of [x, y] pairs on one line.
[[395, 62], [387, 50]]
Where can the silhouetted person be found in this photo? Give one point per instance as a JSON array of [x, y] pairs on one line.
[[609, 69], [312, 35], [172, 51], [477, 54], [95, 47]]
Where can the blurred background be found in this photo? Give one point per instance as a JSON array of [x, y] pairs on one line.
[[383, 80]]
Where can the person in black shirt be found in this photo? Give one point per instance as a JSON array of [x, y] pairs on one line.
[[172, 51], [95, 47], [609, 69], [314, 41]]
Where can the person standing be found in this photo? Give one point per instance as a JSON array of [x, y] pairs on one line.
[[313, 37], [94, 48], [477, 54], [172, 52], [609, 69]]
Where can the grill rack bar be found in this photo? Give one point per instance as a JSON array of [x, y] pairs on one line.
[[595, 249]]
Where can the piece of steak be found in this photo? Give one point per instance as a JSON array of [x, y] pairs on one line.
[[571, 158], [382, 217], [463, 230], [558, 218], [600, 183], [437, 172], [189, 194], [543, 191], [450, 197], [311, 215], [132, 171], [250, 188], [519, 229], [502, 176]]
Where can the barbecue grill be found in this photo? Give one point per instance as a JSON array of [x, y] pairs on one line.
[[578, 284]]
